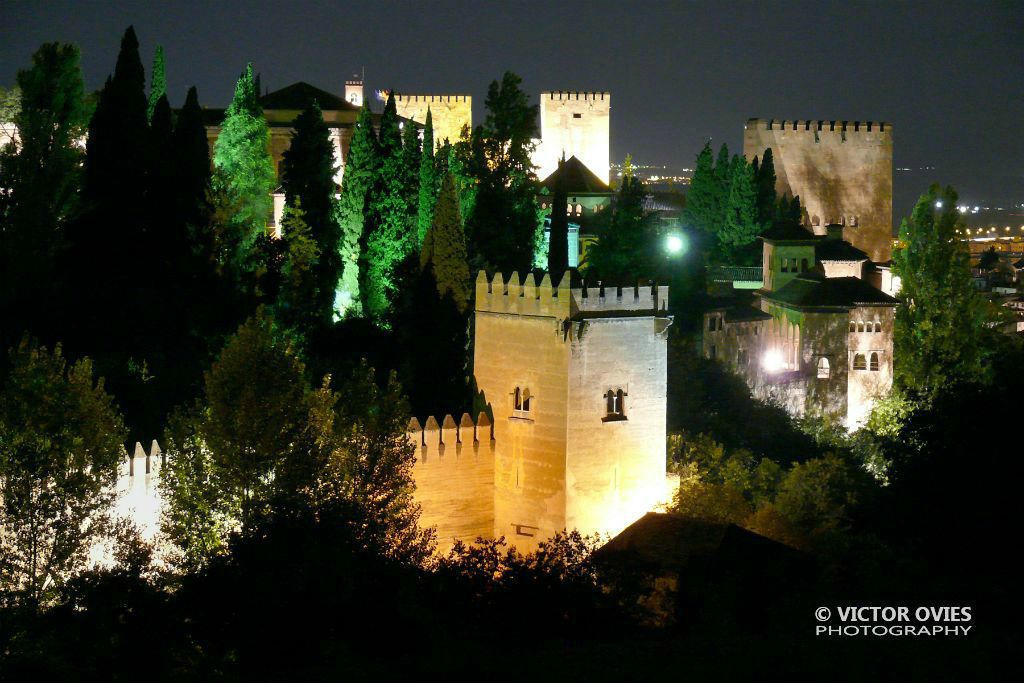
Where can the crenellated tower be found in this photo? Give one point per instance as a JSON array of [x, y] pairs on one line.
[[574, 124], [576, 379], [841, 170]]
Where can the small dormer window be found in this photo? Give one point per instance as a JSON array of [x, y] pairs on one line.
[[615, 408]]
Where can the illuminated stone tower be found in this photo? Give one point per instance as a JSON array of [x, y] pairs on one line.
[[841, 170], [576, 379], [448, 113], [574, 124]]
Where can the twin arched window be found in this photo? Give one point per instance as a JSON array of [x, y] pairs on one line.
[[874, 362], [615, 405], [824, 371], [859, 362], [521, 402]]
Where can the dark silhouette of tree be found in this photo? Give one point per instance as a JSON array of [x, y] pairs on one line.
[[558, 246], [428, 187]]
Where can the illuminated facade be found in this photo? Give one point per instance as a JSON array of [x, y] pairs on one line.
[[574, 124], [448, 113], [576, 381], [818, 337], [841, 170]]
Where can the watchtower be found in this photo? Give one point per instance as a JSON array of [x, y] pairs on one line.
[[576, 379], [574, 124]]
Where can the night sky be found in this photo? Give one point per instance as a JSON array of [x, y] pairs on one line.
[[949, 76]]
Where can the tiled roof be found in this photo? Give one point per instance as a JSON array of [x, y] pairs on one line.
[[812, 290], [576, 178], [829, 249], [301, 95], [787, 233]]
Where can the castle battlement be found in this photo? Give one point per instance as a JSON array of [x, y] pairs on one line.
[[431, 98], [449, 436], [821, 126], [528, 297], [140, 462], [576, 95]]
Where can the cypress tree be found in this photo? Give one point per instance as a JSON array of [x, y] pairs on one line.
[[308, 179], [741, 226], [389, 234], [41, 175], [412, 157], [191, 164], [765, 182], [361, 166], [245, 171], [428, 182], [703, 200], [558, 245], [157, 81], [444, 248]]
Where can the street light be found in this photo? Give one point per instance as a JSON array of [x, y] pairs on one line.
[[772, 361], [675, 244]]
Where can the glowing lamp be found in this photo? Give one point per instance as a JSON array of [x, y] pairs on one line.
[[772, 361], [674, 244]]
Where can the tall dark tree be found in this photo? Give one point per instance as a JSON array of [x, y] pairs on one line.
[[428, 181], [41, 173], [740, 227], [444, 249], [504, 218], [308, 179], [361, 167], [764, 179], [704, 198], [412, 156], [191, 153], [627, 250], [157, 80], [558, 246]]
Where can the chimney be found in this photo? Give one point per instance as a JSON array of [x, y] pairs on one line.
[[835, 231]]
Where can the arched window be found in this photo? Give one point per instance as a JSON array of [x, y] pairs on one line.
[[853, 326], [824, 371], [815, 220], [615, 406], [853, 221], [803, 265], [860, 326], [859, 362], [579, 209], [878, 326], [785, 265], [874, 362], [521, 401]]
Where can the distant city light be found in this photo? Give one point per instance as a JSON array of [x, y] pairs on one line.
[[675, 244], [772, 361]]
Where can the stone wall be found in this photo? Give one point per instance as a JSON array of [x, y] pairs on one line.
[[841, 170], [454, 475], [574, 124], [448, 113]]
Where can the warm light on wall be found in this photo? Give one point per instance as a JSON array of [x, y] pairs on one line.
[[772, 361]]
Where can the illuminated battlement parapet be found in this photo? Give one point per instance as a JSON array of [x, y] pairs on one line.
[[528, 297], [400, 99], [576, 95], [820, 126], [435, 439]]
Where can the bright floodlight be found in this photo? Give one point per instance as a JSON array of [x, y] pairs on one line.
[[938, 204], [772, 361], [674, 244]]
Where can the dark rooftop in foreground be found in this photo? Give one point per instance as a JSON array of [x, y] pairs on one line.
[[301, 95], [577, 179]]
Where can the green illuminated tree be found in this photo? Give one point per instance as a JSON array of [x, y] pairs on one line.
[[943, 328], [308, 179], [245, 170], [60, 446], [157, 81], [444, 248], [428, 182], [412, 156], [299, 285], [10, 103], [390, 233], [361, 168]]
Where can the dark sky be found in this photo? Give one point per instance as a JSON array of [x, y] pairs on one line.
[[949, 76]]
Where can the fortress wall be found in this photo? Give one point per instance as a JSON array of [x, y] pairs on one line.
[[448, 113], [576, 124], [454, 475], [841, 170], [615, 469], [516, 296]]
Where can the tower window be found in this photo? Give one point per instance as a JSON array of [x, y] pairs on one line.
[[824, 371], [859, 362], [878, 326], [577, 116], [615, 408], [853, 326], [785, 265], [874, 362], [521, 403]]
